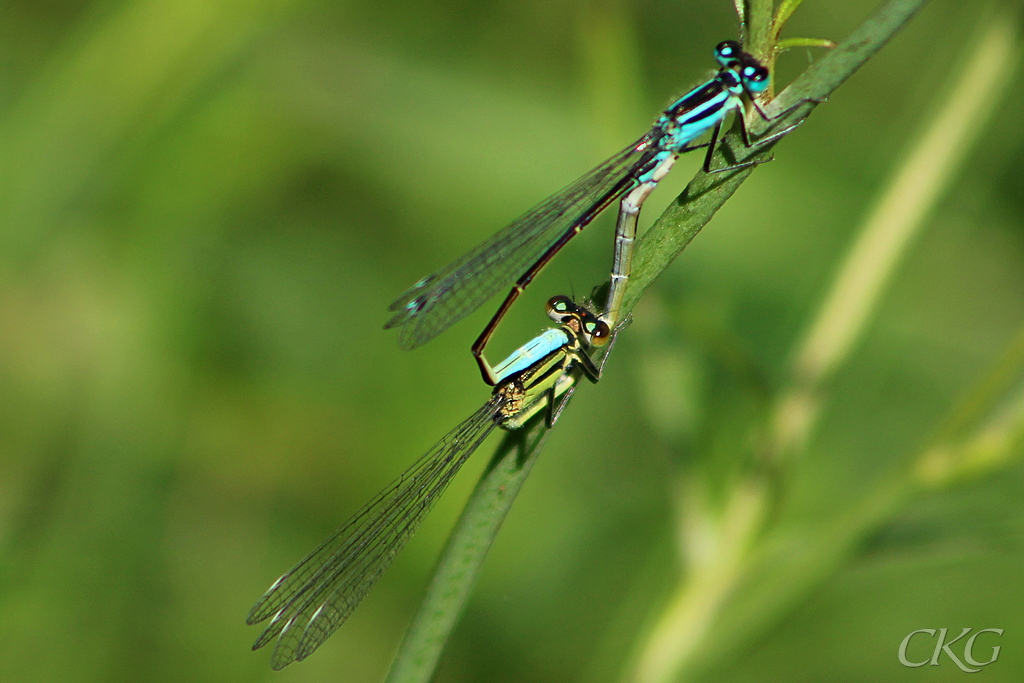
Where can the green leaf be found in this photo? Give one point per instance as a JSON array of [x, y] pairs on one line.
[[785, 11], [790, 43]]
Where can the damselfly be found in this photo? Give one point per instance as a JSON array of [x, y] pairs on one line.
[[310, 601], [517, 253]]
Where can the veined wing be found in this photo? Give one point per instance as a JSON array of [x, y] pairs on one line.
[[439, 300], [309, 602]]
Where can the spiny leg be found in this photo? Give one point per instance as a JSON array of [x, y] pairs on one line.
[[556, 404], [748, 142]]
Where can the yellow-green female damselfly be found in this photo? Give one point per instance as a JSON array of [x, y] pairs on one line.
[[311, 600]]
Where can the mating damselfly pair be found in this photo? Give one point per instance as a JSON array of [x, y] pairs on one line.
[[310, 601]]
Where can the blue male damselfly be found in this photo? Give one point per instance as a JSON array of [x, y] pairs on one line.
[[516, 253]]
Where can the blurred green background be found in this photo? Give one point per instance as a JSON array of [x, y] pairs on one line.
[[205, 208]]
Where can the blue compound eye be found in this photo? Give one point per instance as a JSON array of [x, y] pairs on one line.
[[755, 78], [727, 52]]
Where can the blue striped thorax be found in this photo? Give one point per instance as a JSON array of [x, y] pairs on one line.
[[705, 106], [577, 326], [553, 339]]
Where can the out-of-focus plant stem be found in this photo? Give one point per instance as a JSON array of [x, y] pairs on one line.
[[958, 454], [892, 225], [721, 558]]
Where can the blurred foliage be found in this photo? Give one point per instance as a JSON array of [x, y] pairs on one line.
[[206, 208]]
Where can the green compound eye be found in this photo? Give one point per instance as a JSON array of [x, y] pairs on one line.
[[598, 331], [560, 304]]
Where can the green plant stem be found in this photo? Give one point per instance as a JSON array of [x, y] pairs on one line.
[[689, 611], [988, 450], [956, 453], [979, 401], [757, 30], [893, 223], [463, 556], [780, 569]]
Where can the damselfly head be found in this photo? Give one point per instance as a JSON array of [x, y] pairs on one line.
[[751, 73], [755, 77], [592, 330], [727, 53], [595, 331]]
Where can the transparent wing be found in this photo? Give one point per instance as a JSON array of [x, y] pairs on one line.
[[445, 297], [309, 602]]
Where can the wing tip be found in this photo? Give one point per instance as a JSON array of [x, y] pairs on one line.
[[411, 294], [413, 331]]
